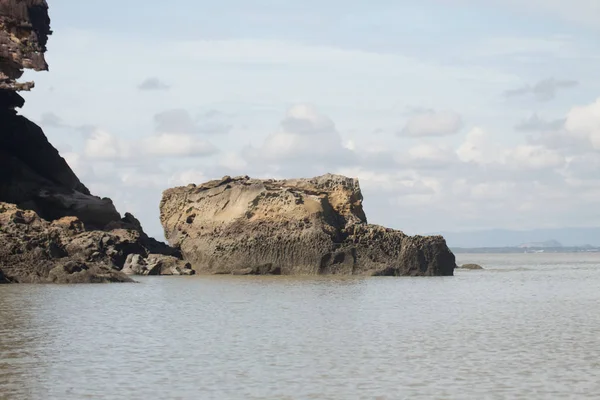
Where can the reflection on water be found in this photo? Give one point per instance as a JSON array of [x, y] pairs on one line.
[[528, 332]]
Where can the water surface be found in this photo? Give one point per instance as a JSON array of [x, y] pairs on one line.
[[525, 328]]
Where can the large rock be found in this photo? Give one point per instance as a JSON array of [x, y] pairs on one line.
[[301, 226], [32, 173]]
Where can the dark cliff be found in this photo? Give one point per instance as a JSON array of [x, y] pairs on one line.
[[38, 189]]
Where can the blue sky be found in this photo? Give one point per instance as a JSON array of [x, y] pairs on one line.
[[455, 115]]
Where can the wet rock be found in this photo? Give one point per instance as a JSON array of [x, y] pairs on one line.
[[471, 266], [33, 250], [79, 272], [169, 265], [3, 278]]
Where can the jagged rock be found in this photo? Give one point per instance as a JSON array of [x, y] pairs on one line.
[[32, 173], [24, 30], [79, 272], [471, 266], [33, 250], [169, 265], [54, 230], [135, 265], [299, 226], [3, 278]]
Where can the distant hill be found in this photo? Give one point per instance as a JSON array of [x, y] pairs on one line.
[[566, 237], [541, 245]]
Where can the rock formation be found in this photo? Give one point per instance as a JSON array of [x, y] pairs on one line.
[[52, 229], [32, 173], [313, 226], [471, 266]]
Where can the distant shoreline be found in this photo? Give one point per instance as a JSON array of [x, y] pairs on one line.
[[520, 250]]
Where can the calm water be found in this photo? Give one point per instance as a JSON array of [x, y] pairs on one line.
[[526, 328]]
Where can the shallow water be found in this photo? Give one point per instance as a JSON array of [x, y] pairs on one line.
[[525, 328]]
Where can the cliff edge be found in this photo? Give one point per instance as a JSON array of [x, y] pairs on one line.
[[38, 189], [299, 226]]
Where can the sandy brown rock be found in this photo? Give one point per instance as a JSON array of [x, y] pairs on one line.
[[299, 226]]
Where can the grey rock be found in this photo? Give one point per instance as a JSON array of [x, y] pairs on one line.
[[471, 266], [168, 265]]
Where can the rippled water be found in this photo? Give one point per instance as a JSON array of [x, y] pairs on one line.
[[528, 327]]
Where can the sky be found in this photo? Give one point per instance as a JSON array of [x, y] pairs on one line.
[[455, 115]]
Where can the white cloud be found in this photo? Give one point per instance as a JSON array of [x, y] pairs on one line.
[[305, 135], [102, 145], [478, 147], [176, 145], [179, 120], [536, 157], [233, 161], [433, 123], [186, 177], [584, 122]]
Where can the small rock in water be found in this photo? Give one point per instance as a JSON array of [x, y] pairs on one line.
[[471, 266]]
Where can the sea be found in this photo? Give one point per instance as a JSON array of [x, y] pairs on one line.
[[525, 327]]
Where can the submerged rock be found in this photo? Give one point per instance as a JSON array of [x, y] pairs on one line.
[[471, 266], [299, 226]]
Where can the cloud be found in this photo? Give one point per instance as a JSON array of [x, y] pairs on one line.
[[544, 90], [180, 121], [51, 120], [102, 145], [431, 123], [184, 178], [478, 147], [153, 84], [305, 136], [176, 145], [534, 157], [536, 124], [584, 122]]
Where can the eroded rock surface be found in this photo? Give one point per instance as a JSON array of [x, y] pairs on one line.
[[303, 226], [33, 250]]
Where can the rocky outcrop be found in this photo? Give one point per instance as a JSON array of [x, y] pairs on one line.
[[156, 264], [32, 173], [24, 30], [302, 226], [33, 250], [52, 229]]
